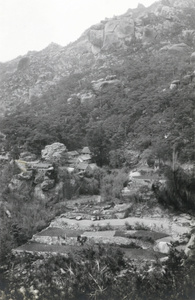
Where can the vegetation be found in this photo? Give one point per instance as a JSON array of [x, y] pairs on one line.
[[97, 272], [21, 216], [147, 117], [140, 114], [178, 191], [112, 184]]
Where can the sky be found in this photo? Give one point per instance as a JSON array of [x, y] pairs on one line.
[[27, 25]]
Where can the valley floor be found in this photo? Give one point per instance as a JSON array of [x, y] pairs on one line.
[[144, 238]]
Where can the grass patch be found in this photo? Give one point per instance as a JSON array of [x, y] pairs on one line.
[[132, 245], [144, 235], [147, 235]]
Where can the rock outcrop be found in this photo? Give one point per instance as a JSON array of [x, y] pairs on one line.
[[114, 32], [163, 245], [47, 184], [102, 83], [190, 247], [53, 152], [26, 79], [174, 84]]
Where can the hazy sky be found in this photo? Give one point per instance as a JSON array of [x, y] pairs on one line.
[[33, 24]]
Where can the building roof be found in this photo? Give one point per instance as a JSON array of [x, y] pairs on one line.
[[82, 166], [84, 157], [42, 165], [72, 153], [93, 166], [70, 170], [86, 150], [72, 160]]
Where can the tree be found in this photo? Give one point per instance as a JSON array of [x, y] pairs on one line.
[[162, 151], [98, 143], [116, 158]]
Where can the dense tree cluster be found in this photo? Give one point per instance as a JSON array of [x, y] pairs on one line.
[[141, 112]]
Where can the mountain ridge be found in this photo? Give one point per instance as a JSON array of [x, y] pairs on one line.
[[143, 51]]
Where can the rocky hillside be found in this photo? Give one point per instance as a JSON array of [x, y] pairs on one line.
[[129, 79]]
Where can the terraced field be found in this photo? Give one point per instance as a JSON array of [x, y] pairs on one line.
[[57, 240], [145, 238]]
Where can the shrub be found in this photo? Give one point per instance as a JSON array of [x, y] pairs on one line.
[[128, 226], [141, 226], [7, 241], [178, 191], [98, 272], [151, 161]]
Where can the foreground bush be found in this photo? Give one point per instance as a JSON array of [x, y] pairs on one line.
[[97, 272]]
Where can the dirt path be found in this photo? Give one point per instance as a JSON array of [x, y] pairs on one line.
[[161, 224]]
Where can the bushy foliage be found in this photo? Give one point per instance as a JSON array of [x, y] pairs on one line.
[[142, 111], [112, 184], [179, 190], [89, 186], [21, 216], [100, 273], [116, 158], [83, 274], [7, 241]]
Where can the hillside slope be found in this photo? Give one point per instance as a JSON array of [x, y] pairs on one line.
[[110, 89]]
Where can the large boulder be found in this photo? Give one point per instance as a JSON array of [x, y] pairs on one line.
[[190, 247], [162, 246], [117, 29], [112, 32], [192, 58], [174, 84], [87, 98], [53, 152], [101, 84]]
